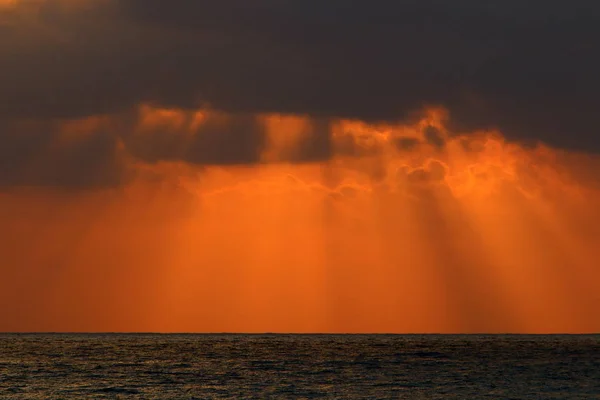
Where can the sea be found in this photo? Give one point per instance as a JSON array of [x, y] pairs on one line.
[[190, 366]]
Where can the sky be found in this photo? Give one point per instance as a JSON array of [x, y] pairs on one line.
[[299, 166]]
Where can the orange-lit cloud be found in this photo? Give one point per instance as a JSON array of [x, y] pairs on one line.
[[306, 225]]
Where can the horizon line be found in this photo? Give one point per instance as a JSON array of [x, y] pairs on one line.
[[295, 333]]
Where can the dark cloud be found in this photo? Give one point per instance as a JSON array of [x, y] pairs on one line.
[[316, 145], [219, 140], [37, 156], [406, 143], [40, 153], [528, 68], [434, 137], [227, 139]]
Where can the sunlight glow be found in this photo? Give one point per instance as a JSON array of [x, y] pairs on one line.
[[406, 228]]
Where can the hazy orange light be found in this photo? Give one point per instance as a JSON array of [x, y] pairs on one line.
[[407, 228]]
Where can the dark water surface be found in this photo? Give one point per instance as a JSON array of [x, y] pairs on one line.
[[36, 366]]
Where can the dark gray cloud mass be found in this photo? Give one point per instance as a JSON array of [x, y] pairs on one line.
[[529, 68], [35, 156], [230, 141]]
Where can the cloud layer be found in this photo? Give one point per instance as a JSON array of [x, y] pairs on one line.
[[528, 69]]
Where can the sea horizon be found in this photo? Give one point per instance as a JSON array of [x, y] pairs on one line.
[[216, 333]]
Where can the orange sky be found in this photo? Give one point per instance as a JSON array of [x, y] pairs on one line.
[[408, 228]]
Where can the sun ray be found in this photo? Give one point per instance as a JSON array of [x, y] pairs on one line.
[[404, 227]]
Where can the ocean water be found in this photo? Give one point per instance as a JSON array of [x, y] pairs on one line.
[[139, 366]]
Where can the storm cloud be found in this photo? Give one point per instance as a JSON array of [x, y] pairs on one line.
[[526, 68]]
